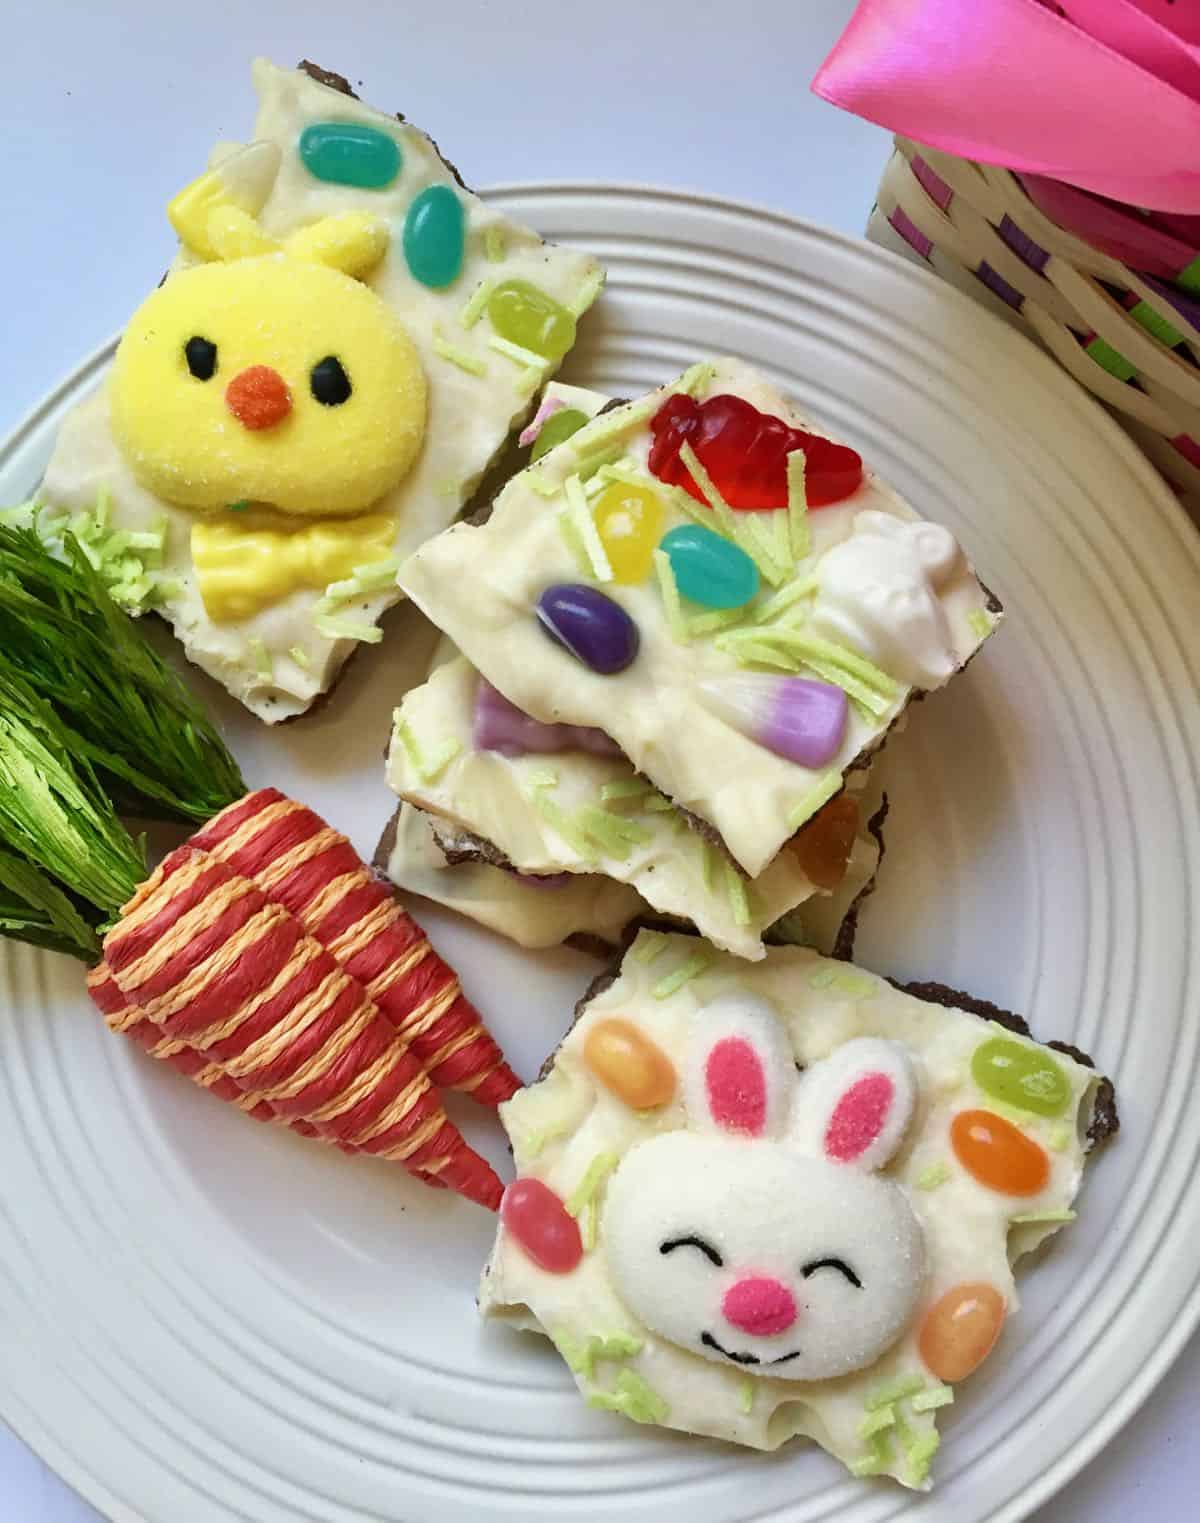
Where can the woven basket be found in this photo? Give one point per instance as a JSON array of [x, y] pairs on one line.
[[1131, 339]]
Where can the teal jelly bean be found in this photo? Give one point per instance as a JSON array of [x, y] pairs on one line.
[[1022, 1076], [350, 153], [434, 237], [708, 569]]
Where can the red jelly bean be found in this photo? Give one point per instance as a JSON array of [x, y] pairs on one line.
[[540, 1223], [745, 453]]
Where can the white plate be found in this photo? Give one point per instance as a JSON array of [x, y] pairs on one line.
[[204, 1320]]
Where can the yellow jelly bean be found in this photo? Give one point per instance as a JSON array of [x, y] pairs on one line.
[[628, 1063], [629, 523], [960, 1331]]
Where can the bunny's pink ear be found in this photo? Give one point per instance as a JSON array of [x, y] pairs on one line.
[[855, 1106], [740, 1075]]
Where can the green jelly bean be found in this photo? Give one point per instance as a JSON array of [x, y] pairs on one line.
[[350, 153], [557, 427], [1022, 1076], [434, 237], [526, 316], [709, 569]]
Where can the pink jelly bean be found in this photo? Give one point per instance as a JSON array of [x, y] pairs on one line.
[[541, 1224]]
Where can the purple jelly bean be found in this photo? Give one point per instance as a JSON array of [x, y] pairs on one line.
[[796, 717], [595, 629], [501, 726]]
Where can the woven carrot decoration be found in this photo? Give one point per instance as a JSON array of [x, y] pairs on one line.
[[205, 960], [299, 861]]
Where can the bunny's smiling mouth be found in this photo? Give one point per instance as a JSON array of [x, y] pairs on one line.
[[710, 1342]]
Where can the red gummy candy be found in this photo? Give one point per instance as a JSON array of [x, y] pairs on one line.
[[745, 453]]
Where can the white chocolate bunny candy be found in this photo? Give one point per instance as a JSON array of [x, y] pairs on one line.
[[761, 1236], [877, 591]]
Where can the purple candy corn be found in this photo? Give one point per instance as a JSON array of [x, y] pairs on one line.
[[595, 629], [500, 726], [800, 719]]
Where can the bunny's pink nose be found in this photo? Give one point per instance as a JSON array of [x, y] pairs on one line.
[[760, 1306]]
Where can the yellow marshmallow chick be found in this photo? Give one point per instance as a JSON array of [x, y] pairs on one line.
[[270, 376]]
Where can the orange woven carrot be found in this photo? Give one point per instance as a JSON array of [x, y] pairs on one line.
[[300, 862], [203, 959]]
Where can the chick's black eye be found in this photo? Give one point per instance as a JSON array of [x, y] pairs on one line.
[[329, 382], [839, 1265], [691, 1241], [201, 356]]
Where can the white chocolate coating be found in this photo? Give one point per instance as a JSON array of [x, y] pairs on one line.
[[560, 1125], [481, 585], [470, 416]]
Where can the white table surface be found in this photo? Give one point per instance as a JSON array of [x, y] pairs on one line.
[[109, 108]]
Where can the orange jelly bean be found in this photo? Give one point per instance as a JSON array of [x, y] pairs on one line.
[[825, 843], [629, 1064], [629, 522], [961, 1330], [998, 1154]]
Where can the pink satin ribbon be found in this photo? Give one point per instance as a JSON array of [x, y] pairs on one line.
[[1106, 97]]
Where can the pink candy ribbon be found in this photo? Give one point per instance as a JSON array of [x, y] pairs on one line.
[[1104, 96]]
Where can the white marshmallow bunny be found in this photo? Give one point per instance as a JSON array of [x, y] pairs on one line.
[[760, 1236], [877, 590]]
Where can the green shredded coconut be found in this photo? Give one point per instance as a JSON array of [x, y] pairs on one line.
[[930, 1401], [594, 1176], [709, 862], [920, 1453], [746, 1396], [670, 596], [798, 505], [1059, 1139], [558, 819], [495, 243], [587, 293], [820, 793], [695, 965], [892, 1391], [536, 482], [932, 1178], [612, 425], [735, 888], [1043, 1216], [878, 1458], [300, 656], [822, 978], [649, 945], [612, 833], [855, 985], [581, 1354], [585, 527], [760, 544], [261, 656], [713, 623], [721, 509], [456, 356], [347, 629], [837, 663], [634, 1398], [588, 467], [754, 651], [541, 777], [568, 528], [473, 311], [659, 803], [981, 622], [877, 1421], [694, 381], [519, 355], [625, 788]]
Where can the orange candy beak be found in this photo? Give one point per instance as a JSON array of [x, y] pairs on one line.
[[258, 397]]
